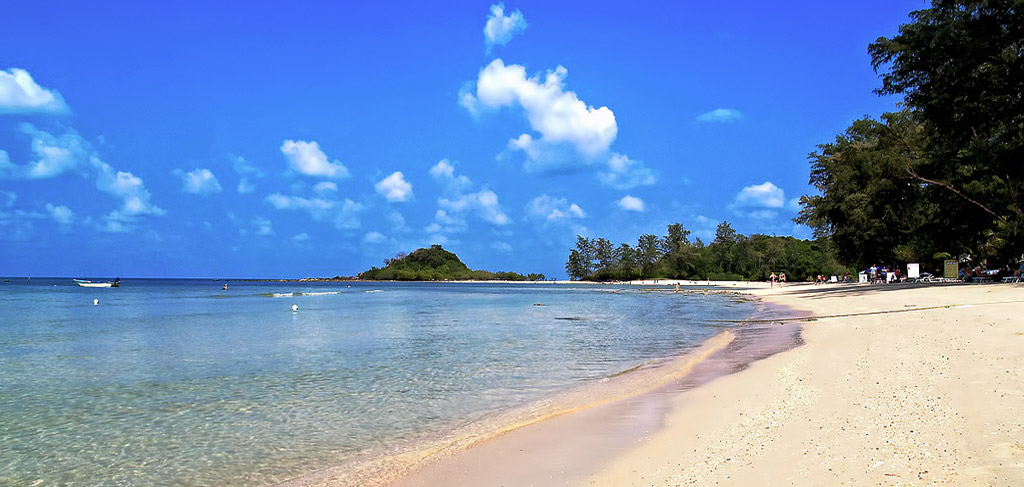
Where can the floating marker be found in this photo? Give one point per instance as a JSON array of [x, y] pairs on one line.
[[95, 302], [295, 307]]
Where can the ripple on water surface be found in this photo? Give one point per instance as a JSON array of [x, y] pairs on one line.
[[166, 383]]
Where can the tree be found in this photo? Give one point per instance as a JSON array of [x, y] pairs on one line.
[[647, 254], [626, 267], [959, 65], [869, 203], [604, 253], [574, 267]]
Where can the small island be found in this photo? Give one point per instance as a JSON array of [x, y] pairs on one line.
[[437, 264]]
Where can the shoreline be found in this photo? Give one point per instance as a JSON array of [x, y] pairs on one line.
[[893, 385], [559, 417]]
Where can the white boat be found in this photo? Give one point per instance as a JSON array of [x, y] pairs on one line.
[[85, 283]]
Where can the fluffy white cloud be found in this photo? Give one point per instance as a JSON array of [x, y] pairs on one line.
[[307, 158], [625, 173], [300, 238], [631, 203], [444, 171], [764, 195], [550, 209], [483, 203], [60, 214], [394, 187], [344, 214], [198, 181], [501, 28], [720, 115], [19, 93], [246, 170], [562, 119], [57, 155]]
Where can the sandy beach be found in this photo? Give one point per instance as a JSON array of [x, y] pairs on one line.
[[920, 385], [885, 385]]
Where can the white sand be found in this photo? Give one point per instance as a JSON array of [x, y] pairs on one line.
[[930, 397]]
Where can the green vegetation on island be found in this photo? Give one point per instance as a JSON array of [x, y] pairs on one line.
[[436, 264], [731, 256]]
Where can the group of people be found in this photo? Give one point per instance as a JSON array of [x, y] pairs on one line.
[[780, 278]]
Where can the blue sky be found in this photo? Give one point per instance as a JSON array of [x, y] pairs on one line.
[[318, 138]]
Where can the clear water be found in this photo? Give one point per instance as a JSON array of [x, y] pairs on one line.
[[178, 382]]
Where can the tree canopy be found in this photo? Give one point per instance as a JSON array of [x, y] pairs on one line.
[[731, 256], [945, 175]]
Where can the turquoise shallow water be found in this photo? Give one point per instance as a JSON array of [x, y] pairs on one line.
[[178, 382]]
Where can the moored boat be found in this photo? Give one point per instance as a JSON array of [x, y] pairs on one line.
[[87, 283]]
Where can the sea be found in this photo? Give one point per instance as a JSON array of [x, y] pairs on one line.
[[179, 382]]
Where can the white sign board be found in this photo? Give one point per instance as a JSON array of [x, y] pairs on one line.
[[862, 277], [913, 271]]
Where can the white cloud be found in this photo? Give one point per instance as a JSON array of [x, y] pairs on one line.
[[764, 195], [242, 166], [720, 115], [325, 186], [344, 214], [312, 205], [501, 28], [631, 203], [263, 227], [444, 171], [374, 237], [300, 238], [57, 155], [245, 187], [625, 173], [562, 119], [61, 214], [19, 93], [307, 158], [483, 203], [198, 181], [394, 188], [550, 209], [246, 170]]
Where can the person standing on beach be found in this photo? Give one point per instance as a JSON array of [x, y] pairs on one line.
[[771, 279], [782, 278]]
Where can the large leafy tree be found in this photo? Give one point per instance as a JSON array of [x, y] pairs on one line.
[[959, 65], [870, 205]]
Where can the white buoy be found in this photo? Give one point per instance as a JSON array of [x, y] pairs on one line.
[[95, 302], [295, 307]]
